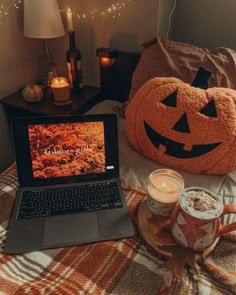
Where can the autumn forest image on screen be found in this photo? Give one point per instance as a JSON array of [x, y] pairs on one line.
[[59, 150]]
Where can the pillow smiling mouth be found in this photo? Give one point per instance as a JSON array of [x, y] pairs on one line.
[[176, 149]]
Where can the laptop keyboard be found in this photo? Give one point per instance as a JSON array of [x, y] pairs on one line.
[[82, 198]]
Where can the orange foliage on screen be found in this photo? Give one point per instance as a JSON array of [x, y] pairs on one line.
[[59, 150]]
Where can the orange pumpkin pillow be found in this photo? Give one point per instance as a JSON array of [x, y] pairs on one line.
[[184, 126]]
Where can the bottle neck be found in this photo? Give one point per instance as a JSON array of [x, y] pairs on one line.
[[72, 39]]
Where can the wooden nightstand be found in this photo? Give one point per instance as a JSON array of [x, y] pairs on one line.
[[16, 106]]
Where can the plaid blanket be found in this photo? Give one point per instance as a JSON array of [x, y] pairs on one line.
[[124, 267]]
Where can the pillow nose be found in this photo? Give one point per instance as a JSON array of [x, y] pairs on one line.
[[182, 125]]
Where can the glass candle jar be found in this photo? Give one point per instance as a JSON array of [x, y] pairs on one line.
[[61, 91], [164, 187]]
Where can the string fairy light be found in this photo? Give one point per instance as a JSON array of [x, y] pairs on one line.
[[114, 10], [6, 5]]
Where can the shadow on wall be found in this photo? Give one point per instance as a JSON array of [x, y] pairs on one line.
[[6, 149], [87, 46], [125, 42], [20, 19]]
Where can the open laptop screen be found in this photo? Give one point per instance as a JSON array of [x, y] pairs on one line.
[[65, 149]]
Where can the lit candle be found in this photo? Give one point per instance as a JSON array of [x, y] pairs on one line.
[[59, 82], [61, 91], [105, 61], [164, 187], [69, 20]]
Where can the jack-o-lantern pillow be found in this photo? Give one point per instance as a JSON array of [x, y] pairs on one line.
[[184, 126]]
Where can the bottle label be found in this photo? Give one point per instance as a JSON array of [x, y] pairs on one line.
[[70, 74], [75, 74], [80, 74]]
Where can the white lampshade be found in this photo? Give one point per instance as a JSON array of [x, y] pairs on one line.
[[42, 19]]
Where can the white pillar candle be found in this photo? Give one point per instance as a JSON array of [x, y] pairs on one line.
[[69, 20]]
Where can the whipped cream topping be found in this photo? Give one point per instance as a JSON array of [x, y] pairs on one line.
[[201, 204]]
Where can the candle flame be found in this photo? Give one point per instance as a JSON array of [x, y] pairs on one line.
[[163, 185], [106, 61], [59, 81], [68, 10]]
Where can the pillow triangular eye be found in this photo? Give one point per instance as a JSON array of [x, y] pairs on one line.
[[209, 109], [170, 100]]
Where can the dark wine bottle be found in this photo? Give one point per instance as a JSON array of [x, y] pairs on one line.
[[74, 64]]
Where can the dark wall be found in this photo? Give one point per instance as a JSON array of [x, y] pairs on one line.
[[207, 23]]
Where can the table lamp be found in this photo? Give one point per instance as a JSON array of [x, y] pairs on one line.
[[42, 20]]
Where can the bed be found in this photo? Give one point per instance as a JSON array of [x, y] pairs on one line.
[[125, 266]]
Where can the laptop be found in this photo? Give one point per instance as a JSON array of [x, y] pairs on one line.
[[69, 188]]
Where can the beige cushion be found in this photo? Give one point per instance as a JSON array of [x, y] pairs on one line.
[[166, 58]]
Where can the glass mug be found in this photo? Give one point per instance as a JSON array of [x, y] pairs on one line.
[[196, 218], [164, 187]]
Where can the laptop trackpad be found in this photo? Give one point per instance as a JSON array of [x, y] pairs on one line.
[[71, 229]]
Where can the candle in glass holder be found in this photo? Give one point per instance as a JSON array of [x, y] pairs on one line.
[[61, 91], [164, 187]]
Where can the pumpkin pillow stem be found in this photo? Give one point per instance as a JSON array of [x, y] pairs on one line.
[[201, 79]]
